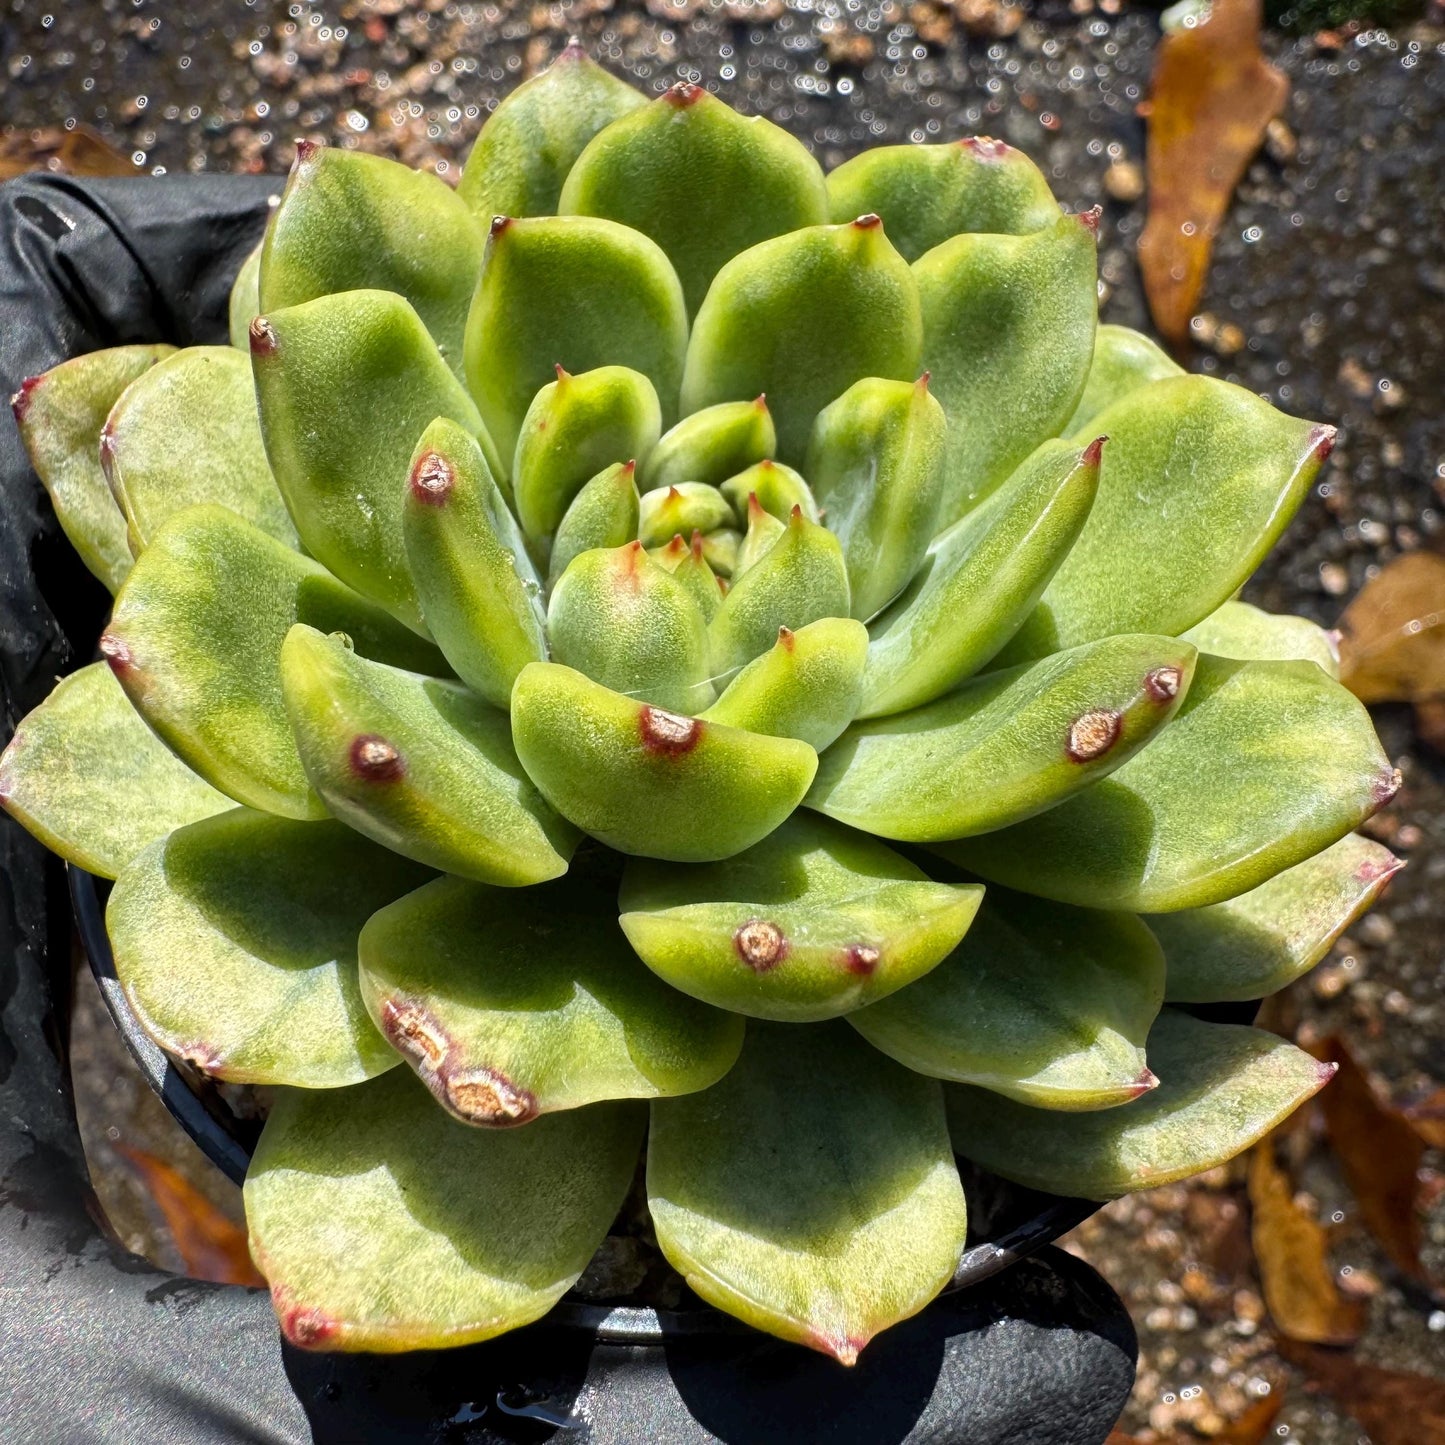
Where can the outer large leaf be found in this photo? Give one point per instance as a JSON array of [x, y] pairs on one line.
[[1241, 631], [474, 580], [575, 292], [806, 686], [184, 432], [1124, 360], [1221, 1087], [647, 781], [535, 135], [235, 939], [519, 1002], [382, 1224], [698, 178], [810, 923], [60, 415], [979, 580], [1265, 764], [626, 622], [88, 778], [420, 765], [927, 194], [1197, 482], [1041, 1003], [346, 385], [1262, 940], [1008, 335], [802, 317], [811, 1193], [349, 221], [1006, 745], [875, 464], [195, 640]]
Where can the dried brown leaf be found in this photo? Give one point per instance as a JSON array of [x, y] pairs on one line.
[[1212, 97], [1379, 1151], [1394, 1407], [78, 152], [1290, 1248], [1392, 636], [210, 1245]]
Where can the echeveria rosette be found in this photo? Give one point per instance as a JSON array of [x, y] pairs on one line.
[[520, 658]]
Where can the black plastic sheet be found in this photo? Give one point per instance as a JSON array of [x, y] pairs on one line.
[[95, 1344]]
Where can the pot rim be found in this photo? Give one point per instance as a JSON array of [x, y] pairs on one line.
[[214, 1130]]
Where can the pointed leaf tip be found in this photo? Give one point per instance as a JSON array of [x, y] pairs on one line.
[[868, 222], [684, 94], [306, 150], [1322, 441], [263, 338], [1387, 785], [985, 147], [1147, 1080], [115, 652], [1089, 219], [1093, 453], [499, 224], [20, 401]]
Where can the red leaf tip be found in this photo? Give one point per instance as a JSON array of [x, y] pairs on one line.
[[1147, 1080], [869, 222], [985, 147], [116, 652], [1089, 219], [307, 149], [574, 49], [629, 467], [303, 1325], [20, 402], [1093, 453], [499, 224], [683, 94], [1322, 441], [263, 337]]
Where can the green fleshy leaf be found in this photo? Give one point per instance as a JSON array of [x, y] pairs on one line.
[[185, 432], [1197, 482], [1221, 1088], [798, 580], [60, 415], [712, 445], [346, 384], [1008, 335], [694, 574], [235, 940], [422, 766], [576, 426], [86, 776], [640, 779], [1007, 745], [1247, 633], [680, 510], [1263, 940], [1265, 764], [811, 923], [812, 1193], [801, 318], [381, 1224], [927, 194], [978, 581], [701, 180], [575, 292], [195, 640], [245, 303], [474, 580], [603, 514], [626, 622], [1124, 360], [514, 1003], [806, 686], [720, 550], [763, 531], [1041, 1003], [778, 489], [876, 467], [350, 221], [535, 135]]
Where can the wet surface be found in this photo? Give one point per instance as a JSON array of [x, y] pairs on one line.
[[1327, 294]]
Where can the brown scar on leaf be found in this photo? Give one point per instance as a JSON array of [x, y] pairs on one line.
[[985, 147], [1387, 785], [263, 337], [499, 224], [1162, 683], [1322, 441], [1092, 734], [412, 1031], [761, 945], [116, 652], [666, 733], [787, 639], [200, 1056], [432, 479], [1089, 219], [868, 222], [303, 1325], [861, 959], [375, 759], [488, 1097], [683, 94]]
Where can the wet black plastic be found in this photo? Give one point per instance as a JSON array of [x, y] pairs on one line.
[[99, 1346]]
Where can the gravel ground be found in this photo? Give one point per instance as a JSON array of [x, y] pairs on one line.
[[1326, 294]]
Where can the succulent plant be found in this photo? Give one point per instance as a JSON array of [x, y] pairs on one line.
[[526, 636]]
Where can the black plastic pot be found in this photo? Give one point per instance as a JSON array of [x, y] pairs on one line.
[[1029, 1346]]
